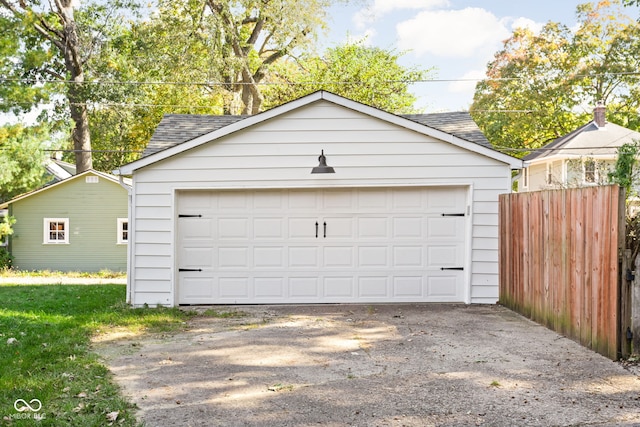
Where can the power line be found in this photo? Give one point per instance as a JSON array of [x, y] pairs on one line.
[[281, 83]]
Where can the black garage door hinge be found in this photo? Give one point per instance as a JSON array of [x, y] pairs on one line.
[[189, 269], [189, 216], [452, 268]]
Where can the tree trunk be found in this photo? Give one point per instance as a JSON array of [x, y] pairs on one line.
[[77, 105]]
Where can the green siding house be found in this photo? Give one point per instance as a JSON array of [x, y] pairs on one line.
[[78, 224]]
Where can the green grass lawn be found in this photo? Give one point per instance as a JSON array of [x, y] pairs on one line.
[[45, 338]]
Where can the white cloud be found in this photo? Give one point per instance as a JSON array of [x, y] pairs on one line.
[[379, 8], [365, 38], [452, 33], [527, 23], [467, 83]]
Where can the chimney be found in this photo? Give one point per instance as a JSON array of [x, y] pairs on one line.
[[599, 115]]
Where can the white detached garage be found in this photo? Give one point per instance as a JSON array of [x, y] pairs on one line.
[[225, 209]]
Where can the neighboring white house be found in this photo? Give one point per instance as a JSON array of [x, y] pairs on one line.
[[581, 158], [226, 209]]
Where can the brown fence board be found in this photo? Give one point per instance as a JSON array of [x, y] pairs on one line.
[[559, 262]]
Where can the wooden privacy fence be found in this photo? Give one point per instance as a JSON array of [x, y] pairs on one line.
[[559, 262]]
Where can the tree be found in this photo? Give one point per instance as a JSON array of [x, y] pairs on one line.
[[53, 41], [370, 75], [6, 259], [22, 158], [256, 34], [542, 86]]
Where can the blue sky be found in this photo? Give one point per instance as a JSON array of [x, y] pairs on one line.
[[457, 37]]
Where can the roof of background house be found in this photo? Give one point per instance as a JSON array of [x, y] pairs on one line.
[[175, 129], [59, 170], [126, 181], [587, 140]]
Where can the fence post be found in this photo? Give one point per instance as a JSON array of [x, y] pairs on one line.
[[635, 308]]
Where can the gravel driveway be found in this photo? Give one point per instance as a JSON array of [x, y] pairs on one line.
[[371, 365]]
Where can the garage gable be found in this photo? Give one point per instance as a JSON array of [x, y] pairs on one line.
[[192, 133]]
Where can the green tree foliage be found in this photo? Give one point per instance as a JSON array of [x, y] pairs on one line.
[[6, 259], [48, 47], [192, 57], [542, 86], [370, 75], [625, 174], [22, 158]]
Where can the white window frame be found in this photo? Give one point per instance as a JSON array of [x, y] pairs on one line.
[[595, 172], [46, 238], [548, 179], [120, 237]]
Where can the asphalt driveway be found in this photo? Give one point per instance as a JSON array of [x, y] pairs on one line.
[[372, 365]]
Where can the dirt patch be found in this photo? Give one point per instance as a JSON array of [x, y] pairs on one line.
[[375, 365]]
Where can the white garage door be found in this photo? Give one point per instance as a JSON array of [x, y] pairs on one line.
[[321, 246]]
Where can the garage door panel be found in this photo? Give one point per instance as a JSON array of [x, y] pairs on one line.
[[373, 257], [302, 200], [304, 228], [381, 244], [444, 200], [195, 288], [196, 229], [407, 287], [338, 287], [269, 287], [408, 256], [338, 256], [304, 257], [236, 288], [269, 201], [233, 257], [304, 287], [340, 200], [233, 229], [408, 228], [338, 228], [372, 200], [443, 287], [268, 229], [232, 200], [404, 200], [449, 228], [373, 287], [445, 256], [269, 257], [373, 228], [197, 257]]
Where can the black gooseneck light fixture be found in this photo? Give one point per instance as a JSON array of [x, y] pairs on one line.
[[322, 166]]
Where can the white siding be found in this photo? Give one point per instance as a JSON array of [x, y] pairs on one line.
[[279, 153]]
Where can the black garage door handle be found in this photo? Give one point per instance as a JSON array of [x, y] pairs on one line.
[[189, 269]]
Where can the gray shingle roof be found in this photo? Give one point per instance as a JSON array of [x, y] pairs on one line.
[[588, 140], [175, 129]]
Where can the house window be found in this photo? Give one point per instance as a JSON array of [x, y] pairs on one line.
[[56, 230], [590, 171], [123, 231]]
